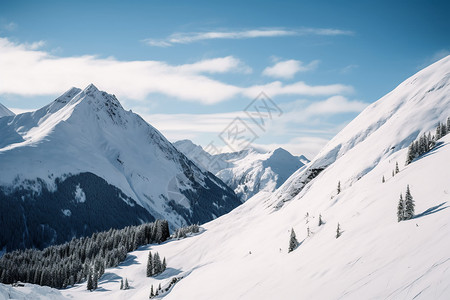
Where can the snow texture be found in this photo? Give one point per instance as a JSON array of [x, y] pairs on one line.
[[243, 254]]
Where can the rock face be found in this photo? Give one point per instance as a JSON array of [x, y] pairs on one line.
[[92, 165]]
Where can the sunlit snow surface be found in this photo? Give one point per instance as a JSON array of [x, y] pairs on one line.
[[243, 255]]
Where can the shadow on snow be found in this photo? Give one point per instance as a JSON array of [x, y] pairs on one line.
[[431, 210]]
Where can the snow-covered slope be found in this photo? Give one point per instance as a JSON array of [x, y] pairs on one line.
[[88, 133], [248, 171], [4, 111], [243, 254]]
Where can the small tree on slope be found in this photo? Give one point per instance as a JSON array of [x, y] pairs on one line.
[[401, 209], [409, 204], [339, 188], [293, 243], [149, 265], [338, 231]]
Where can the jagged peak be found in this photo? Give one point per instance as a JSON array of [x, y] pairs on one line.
[[91, 88]]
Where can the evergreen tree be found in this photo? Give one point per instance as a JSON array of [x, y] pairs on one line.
[[448, 124], [126, 286], [159, 287], [393, 173], [156, 264], [164, 265], [308, 232], [149, 265], [409, 204], [95, 279], [383, 180], [396, 168], [438, 131], [90, 284], [151, 293], [338, 231], [401, 209], [293, 243], [320, 220], [121, 283], [339, 187]]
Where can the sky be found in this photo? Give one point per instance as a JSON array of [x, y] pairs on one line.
[[227, 74]]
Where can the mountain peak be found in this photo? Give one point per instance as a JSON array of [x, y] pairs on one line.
[[91, 88]]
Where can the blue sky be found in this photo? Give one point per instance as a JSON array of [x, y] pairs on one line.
[[191, 68]]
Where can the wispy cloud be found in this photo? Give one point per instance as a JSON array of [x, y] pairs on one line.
[[191, 37], [30, 72], [7, 26], [288, 68]]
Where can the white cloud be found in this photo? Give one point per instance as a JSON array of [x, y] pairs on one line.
[[8, 26], [277, 88], [29, 72], [288, 68], [187, 38]]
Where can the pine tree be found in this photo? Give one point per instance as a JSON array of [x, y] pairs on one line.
[[338, 231], [320, 220], [409, 204], [151, 293], [401, 209], [126, 286], [396, 168], [121, 283], [438, 131], [339, 187], [448, 124], [383, 180], [164, 265], [150, 265], [95, 279], [90, 284], [156, 264], [393, 173], [293, 243], [159, 287], [308, 232]]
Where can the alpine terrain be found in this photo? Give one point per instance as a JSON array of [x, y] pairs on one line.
[[83, 164], [248, 171], [332, 230]]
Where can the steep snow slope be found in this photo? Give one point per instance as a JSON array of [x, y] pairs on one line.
[[243, 255], [4, 111], [88, 132], [248, 171]]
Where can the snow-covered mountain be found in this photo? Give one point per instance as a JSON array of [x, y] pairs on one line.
[[243, 254], [83, 163], [4, 111], [248, 171]]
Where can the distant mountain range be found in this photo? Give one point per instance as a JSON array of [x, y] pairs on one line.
[[248, 171]]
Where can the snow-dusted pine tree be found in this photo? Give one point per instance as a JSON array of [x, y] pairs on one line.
[[396, 168], [383, 180], [149, 265], [320, 220], [293, 243], [156, 264], [90, 284], [151, 293], [339, 187], [338, 231], [409, 204], [126, 286], [401, 209], [121, 283]]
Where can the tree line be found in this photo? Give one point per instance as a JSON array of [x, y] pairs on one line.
[[426, 142], [80, 259]]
